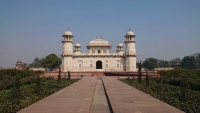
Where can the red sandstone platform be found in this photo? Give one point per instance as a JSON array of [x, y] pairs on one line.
[[127, 99]]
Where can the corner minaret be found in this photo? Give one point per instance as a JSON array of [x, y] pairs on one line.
[[130, 51], [120, 50], [67, 51]]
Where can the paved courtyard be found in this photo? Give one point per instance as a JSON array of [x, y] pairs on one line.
[[88, 96]]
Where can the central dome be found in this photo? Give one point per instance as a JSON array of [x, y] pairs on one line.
[[99, 42]]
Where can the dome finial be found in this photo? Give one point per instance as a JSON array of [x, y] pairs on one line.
[[77, 44], [101, 36], [96, 37], [129, 33], [68, 28]]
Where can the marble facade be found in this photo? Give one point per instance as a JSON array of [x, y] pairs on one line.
[[99, 58]]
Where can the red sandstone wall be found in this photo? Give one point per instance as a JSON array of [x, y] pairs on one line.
[[74, 74], [96, 73]]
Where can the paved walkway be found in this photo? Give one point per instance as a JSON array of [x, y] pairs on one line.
[[75, 98], [88, 96], [126, 99]]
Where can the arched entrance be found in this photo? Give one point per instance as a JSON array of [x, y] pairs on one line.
[[98, 65]]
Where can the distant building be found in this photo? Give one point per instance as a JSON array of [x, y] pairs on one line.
[[99, 58], [37, 69], [176, 64], [19, 65], [164, 68]]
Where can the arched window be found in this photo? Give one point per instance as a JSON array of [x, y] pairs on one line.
[[106, 63], [118, 64], [99, 51], [91, 64], [93, 51], [80, 64]]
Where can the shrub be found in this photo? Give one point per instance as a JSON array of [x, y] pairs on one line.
[[147, 79], [16, 87], [38, 85], [69, 76], [140, 72], [59, 75]]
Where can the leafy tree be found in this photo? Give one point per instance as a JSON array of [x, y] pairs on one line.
[[163, 63], [188, 62], [197, 60], [36, 62], [150, 63], [24, 64], [140, 72], [51, 61], [166, 64]]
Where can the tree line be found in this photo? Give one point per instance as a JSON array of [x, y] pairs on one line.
[[189, 62], [50, 61]]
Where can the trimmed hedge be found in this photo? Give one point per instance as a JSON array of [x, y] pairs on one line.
[[23, 89], [170, 94], [173, 77]]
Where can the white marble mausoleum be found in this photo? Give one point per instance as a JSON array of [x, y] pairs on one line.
[[99, 58]]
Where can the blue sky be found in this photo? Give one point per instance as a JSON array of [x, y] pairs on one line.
[[165, 29]]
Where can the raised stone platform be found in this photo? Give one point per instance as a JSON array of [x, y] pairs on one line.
[[75, 74]]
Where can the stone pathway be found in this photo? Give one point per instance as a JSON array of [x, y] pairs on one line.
[[127, 99], [88, 96], [75, 98]]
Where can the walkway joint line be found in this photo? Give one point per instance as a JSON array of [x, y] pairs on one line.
[[110, 107], [93, 97]]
